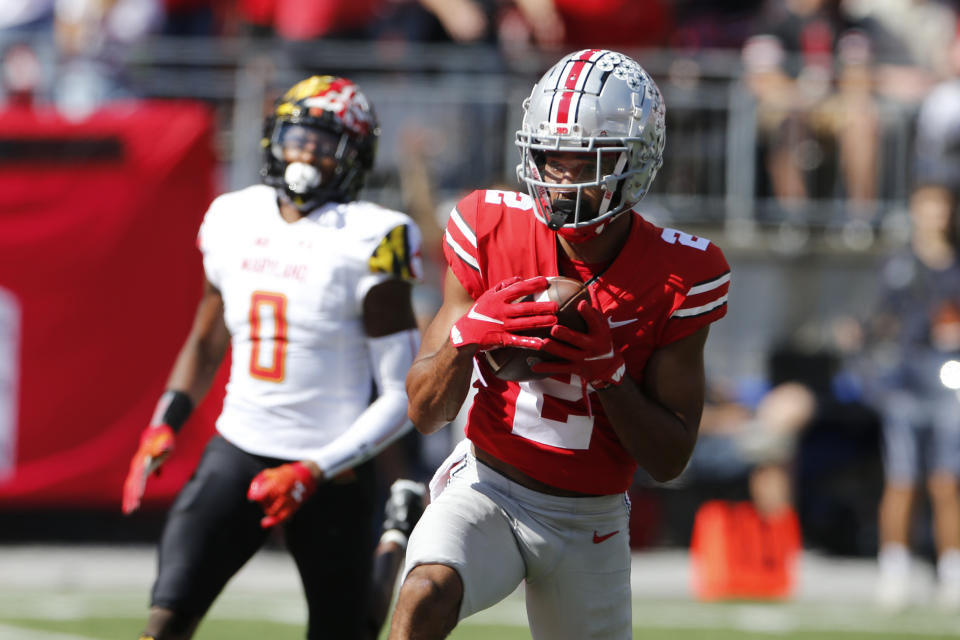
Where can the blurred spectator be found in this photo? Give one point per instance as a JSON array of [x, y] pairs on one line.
[[578, 24], [800, 438], [304, 20], [26, 43], [810, 68], [464, 21], [203, 18], [20, 76], [746, 548], [255, 17], [92, 37], [911, 335], [925, 27], [753, 438], [706, 24], [916, 333], [26, 15], [301, 21], [938, 134], [770, 443]]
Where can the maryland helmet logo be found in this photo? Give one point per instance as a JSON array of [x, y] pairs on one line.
[[329, 94], [335, 105]]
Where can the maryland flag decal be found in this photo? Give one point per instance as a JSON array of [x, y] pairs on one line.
[[393, 256]]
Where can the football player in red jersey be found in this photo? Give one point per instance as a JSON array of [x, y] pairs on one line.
[[310, 287], [537, 491]]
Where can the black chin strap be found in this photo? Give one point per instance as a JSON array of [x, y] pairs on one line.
[[602, 271], [561, 212]]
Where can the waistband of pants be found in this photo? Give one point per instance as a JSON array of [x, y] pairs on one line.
[[515, 490]]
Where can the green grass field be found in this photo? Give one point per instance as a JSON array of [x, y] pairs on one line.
[[77, 616], [82, 594], [119, 629], [221, 629]]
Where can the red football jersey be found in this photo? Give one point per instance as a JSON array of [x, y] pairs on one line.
[[664, 285]]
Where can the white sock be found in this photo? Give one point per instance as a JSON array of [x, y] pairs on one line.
[[894, 559], [948, 566]]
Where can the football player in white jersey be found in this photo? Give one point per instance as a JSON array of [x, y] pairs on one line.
[[310, 287]]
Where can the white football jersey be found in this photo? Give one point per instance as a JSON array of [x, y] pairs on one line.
[[293, 296]]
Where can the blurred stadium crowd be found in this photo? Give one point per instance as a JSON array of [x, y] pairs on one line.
[[816, 141]]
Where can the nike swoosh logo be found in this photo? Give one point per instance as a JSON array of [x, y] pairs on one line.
[[598, 539], [614, 325], [479, 316]]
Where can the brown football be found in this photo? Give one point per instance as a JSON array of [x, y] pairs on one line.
[[510, 363]]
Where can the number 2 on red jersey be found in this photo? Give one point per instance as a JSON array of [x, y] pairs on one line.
[[554, 413]]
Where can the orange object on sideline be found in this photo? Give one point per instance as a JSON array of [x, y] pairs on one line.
[[736, 552]]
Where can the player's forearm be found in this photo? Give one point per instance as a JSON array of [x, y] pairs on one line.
[[658, 439], [195, 368], [381, 424], [437, 385], [385, 419], [203, 351]]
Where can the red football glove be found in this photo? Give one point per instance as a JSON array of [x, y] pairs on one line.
[[156, 443], [493, 316], [281, 490], [590, 355]]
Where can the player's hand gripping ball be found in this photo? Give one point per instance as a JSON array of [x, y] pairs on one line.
[[513, 363], [501, 314]]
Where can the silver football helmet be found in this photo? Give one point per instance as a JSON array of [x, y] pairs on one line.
[[593, 102]]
